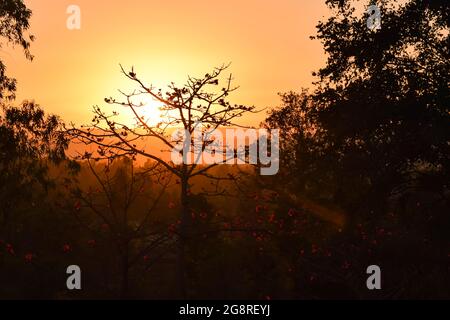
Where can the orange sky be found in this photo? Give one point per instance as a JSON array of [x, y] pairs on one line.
[[266, 41]]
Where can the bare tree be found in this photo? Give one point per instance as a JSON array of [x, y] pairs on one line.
[[110, 208], [199, 101]]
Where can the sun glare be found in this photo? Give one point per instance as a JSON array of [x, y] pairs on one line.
[[148, 110]]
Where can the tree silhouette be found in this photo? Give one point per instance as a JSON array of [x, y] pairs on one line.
[[110, 208], [185, 107], [383, 97], [30, 141], [373, 137], [14, 23], [379, 116]]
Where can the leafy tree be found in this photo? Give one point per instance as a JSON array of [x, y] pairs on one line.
[[382, 99], [373, 138], [377, 125], [14, 24], [29, 141]]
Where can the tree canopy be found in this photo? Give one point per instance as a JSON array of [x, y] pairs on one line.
[[379, 116], [14, 25]]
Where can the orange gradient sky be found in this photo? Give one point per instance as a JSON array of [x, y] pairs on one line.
[[266, 41]]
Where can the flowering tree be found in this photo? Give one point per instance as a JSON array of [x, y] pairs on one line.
[[198, 101]]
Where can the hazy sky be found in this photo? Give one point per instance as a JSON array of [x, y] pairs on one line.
[[266, 41]]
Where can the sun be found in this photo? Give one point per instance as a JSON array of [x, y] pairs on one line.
[[149, 110]]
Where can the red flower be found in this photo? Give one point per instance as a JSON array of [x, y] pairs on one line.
[[10, 249], [146, 258], [92, 243], [29, 257], [77, 206], [66, 248], [171, 205], [258, 208]]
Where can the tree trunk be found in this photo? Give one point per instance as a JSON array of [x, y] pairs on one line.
[[124, 271], [182, 237]]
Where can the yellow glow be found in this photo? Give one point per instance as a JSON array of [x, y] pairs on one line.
[[76, 69], [151, 111], [147, 109]]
